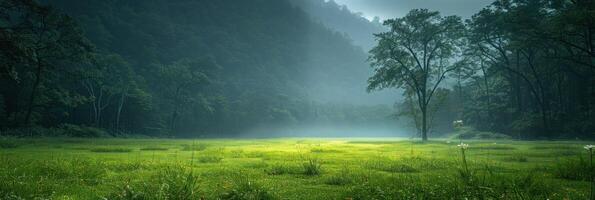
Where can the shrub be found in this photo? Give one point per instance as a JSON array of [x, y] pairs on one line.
[[63, 130], [82, 131], [33, 131]]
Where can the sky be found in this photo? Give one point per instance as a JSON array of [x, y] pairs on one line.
[[386, 9]]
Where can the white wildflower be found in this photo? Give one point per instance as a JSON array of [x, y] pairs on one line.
[[463, 146], [589, 147]]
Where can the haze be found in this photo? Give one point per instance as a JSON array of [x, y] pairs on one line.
[[387, 9]]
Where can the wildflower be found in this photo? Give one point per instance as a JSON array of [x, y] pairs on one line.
[[463, 146], [589, 147]]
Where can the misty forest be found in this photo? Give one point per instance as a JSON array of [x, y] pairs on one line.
[[297, 99]]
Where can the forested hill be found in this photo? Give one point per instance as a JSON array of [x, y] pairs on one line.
[[196, 66], [340, 18], [260, 44]]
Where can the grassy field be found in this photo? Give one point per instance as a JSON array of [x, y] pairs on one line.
[[290, 169]]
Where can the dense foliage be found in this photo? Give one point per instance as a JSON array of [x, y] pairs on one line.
[[532, 69], [184, 67], [176, 67], [526, 69]]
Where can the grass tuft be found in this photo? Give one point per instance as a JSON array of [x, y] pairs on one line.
[[280, 169], [248, 190], [312, 167], [572, 169]]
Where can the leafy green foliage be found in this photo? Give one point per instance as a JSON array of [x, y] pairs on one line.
[[415, 55]]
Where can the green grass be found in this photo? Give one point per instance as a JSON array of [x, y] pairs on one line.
[[365, 168], [154, 149], [110, 150]]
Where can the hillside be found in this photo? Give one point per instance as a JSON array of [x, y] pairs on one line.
[[276, 61]]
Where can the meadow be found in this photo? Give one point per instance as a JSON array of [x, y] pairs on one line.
[[291, 168]]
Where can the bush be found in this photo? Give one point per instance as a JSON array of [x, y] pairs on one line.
[[63, 130], [33, 131], [82, 131]]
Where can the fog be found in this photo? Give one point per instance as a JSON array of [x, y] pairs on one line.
[[388, 9], [228, 68]]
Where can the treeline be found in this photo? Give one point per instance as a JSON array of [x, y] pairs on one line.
[[171, 68], [340, 18], [527, 70]]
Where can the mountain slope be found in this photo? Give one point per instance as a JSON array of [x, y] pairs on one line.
[[276, 61]]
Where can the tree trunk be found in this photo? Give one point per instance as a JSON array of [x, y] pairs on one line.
[[174, 114], [119, 112], [174, 117], [488, 94], [33, 94], [424, 124]]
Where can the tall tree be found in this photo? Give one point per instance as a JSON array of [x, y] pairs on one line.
[[51, 39], [182, 82], [417, 54]]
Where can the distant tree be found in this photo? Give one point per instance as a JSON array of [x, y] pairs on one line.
[[106, 80], [416, 54], [182, 81]]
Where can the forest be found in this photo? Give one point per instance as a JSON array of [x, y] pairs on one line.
[[177, 68], [297, 99]]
